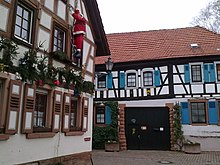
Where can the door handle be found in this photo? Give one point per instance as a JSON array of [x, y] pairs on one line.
[[139, 136]]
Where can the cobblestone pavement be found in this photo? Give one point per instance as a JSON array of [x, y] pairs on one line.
[[133, 157]]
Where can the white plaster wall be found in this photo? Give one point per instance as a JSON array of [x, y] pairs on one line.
[[115, 82], [111, 94], [18, 149], [181, 68], [45, 20], [208, 136], [90, 66], [176, 79], [163, 69], [49, 4], [197, 89], [84, 11], [122, 93], [89, 33], [86, 47], [165, 90], [210, 88], [218, 88], [4, 12], [163, 78], [61, 12], [44, 37], [178, 89], [134, 92]]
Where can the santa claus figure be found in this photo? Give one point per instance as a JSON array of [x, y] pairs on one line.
[[79, 31]]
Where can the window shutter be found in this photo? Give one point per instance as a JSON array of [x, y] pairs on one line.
[[212, 112], [212, 72], [57, 108], [122, 80], [206, 72], [157, 78], [185, 115], [66, 112], [85, 114], [109, 81], [14, 101], [107, 115], [186, 73], [28, 108]]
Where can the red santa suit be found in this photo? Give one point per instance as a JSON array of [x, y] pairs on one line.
[[79, 31]]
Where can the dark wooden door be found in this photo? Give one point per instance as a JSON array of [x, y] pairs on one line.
[[147, 128]]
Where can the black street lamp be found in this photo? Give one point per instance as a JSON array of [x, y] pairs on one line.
[[109, 65]]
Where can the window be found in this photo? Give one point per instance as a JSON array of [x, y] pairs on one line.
[[40, 110], [218, 71], [74, 115], [198, 112], [59, 40], [102, 81], [148, 78], [196, 73], [131, 80], [100, 115], [23, 23]]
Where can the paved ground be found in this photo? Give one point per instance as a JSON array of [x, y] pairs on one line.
[[132, 157]]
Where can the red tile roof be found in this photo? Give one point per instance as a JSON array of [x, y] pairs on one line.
[[161, 44]]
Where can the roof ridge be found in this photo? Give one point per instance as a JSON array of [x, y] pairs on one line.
[[142, 31]]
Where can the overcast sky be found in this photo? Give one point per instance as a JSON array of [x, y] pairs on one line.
[[142, 15]]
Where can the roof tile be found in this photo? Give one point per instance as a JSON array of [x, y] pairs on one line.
[[161, 44]]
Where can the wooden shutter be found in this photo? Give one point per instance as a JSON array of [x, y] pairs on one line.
[[28, 108], [186, 73], [13, 109], [108, 115], [157, 78], [66, 112], [109, 81], [57, 108], [122, 80], [212, 112], [206, 72], [85, 114], [212, 73], [185, 115]]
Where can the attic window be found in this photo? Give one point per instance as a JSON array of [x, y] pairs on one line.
[[194, 45]]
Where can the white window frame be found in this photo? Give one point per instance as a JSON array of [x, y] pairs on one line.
[[202, 77], [31, 24], [136, 74], [142, 77], [96, 81]]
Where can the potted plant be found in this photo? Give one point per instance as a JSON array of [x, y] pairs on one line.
[[191, 147], [112, 145]]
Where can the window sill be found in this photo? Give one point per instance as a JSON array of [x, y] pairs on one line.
[[4, 137], [40, 135], [75, 133]]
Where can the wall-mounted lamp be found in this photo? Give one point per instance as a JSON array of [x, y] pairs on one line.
[[108, 65]]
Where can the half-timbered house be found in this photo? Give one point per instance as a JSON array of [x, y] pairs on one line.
[[44, 115], [154, 70]]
